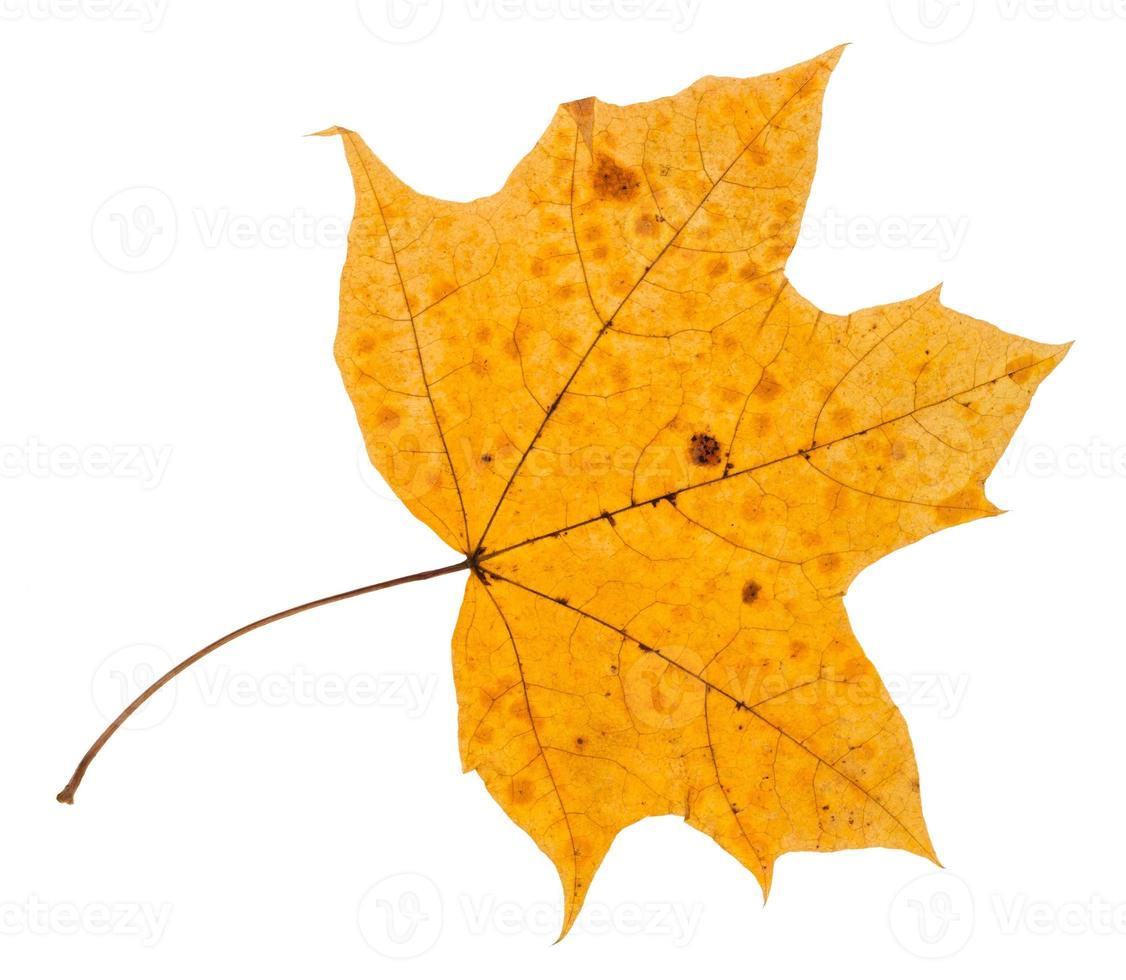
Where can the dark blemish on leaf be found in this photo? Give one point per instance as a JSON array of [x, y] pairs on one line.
[[615, 182], [646, 649], [580, 741], [751, 591], [670, 497], [562, 601], [487, 458], [703, 449], [606, 515]]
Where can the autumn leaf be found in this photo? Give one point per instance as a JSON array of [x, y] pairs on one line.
[[665, 467]]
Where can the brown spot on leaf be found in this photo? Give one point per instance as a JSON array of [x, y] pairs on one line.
[[387, 418], [703, 449], [751, 591], [613, 182], [767, 388]]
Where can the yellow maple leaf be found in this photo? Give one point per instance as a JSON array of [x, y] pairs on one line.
[[664, 467]]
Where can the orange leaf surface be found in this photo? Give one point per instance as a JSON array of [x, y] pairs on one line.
[[665, 467]]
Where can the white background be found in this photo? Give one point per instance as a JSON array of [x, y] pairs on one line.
[[179, 457]]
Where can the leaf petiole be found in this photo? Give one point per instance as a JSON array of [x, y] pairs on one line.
[[67, 794]]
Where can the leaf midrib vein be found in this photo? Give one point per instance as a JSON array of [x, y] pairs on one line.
[[708, 686], [797, 453], [617, 310]]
